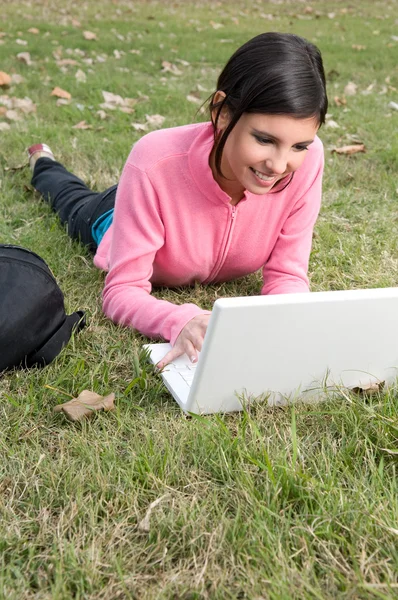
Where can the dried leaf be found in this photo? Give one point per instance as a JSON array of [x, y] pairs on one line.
[[340, 101], [17, 79], [66, 62], [21, 42], [25, 58], [331, 124], [85, 405], [60, 93], [5, 79], [113, 98], [62, 102], [81, 77], [144, 524], [102, 114], [155, 121], [168, 67], [350, 89], [25, 105], [140, 126], [393, 105], [193, 97], [33, 30], [89, 35], [4, 127], [82, 125], [13, 115], [358, 47], [216, 25], [369, 389], [353, 149]]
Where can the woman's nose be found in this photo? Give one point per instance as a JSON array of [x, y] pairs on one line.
[[277, 163]]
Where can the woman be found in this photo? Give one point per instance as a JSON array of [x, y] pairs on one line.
[[208, 202]]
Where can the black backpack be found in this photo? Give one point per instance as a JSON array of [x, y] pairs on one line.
[[33, 324]]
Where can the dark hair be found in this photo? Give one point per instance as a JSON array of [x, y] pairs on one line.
[[273, 73]]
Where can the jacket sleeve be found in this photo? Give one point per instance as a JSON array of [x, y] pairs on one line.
[[286, 270], [138, 233]]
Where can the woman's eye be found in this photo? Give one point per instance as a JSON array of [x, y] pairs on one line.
[[300, 148], [262, 140]]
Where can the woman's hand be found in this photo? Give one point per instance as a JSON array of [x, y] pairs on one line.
[[190, 340]]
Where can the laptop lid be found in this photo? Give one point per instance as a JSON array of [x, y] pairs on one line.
[[281, 348]]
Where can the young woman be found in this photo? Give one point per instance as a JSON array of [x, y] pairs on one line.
[[208, 202]]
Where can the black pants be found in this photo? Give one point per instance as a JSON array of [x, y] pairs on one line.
[[77, 206]]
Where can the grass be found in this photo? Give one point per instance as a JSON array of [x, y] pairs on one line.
[[266, 504]]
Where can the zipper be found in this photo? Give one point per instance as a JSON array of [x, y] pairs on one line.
[[224, 252]]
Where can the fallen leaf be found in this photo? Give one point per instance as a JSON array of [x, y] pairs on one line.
[[113, 98], [114, 102], [13, 115], [102, 114], [81, 77], [4, 127], [155, 121], [33, 30], [25, 58], [369, 389], [358, 47], [17, 79], [168, 67], [353, 149], [21, 42], [144, 524], [60, 93], [393, 105], [350, 89], [89, 35], [5, 79], [140, 126], [85, 405], [66, 62], [216, 25], [62, 102], [82, 125], [339, 101], [194, 98], [25, 105], [331, 124]]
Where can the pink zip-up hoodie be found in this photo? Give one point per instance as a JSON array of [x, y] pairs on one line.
[[173, 225]]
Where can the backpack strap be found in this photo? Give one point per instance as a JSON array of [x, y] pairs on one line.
[[48, 351]]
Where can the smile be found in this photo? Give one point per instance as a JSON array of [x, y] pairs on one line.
[[262, 176]]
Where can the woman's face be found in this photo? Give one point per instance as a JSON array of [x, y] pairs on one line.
[[261, 150]]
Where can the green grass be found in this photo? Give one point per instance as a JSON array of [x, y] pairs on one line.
[[266, 504]]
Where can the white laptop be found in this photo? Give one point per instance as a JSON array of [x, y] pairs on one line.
[[282, 348]]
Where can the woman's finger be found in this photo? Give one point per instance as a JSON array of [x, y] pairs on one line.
[[170, 356]]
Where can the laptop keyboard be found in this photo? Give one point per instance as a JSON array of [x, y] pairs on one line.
[[186, 371]]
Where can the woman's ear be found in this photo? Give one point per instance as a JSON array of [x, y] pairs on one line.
[[223, 118]]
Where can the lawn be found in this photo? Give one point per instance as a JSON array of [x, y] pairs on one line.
[[299, 502]]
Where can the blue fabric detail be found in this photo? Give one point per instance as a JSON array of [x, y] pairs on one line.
[[101, 226]]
